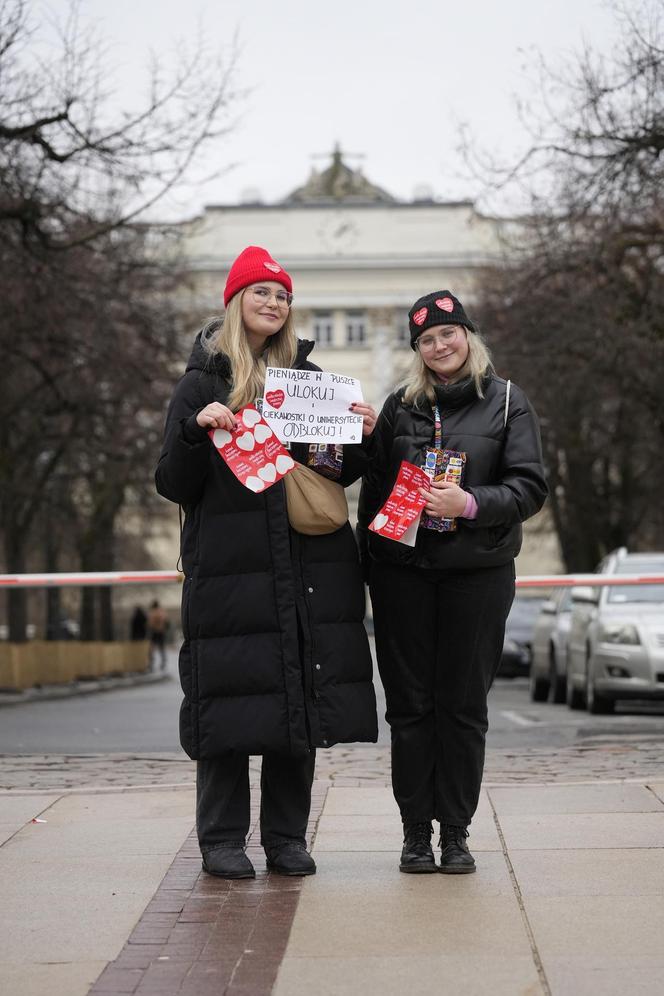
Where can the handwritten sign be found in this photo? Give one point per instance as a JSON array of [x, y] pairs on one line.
[[252, 451], [399, 517], [310, 406]]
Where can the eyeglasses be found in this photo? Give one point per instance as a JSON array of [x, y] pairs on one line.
[[262, 295], [427, 343]]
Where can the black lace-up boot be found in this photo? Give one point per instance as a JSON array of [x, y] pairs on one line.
[[455, 858], [417, 857]]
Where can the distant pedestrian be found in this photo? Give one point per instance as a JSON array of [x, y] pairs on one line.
[[275, 659], [138, 625], [157, 626], [440, 606]]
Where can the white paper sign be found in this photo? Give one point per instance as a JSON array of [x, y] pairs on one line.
[[310, 406]]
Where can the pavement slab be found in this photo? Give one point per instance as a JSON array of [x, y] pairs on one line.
[[74, 886], [622, 797], [16, 811], [602, 872], [421, 975], [583, 830]]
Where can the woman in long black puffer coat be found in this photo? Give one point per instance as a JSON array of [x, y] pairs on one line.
[[440, 606], [275, 659]]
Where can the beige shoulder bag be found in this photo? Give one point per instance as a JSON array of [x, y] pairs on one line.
[[316, 505]]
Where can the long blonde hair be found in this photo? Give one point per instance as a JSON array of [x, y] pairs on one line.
[[418, 387], [248, 370]]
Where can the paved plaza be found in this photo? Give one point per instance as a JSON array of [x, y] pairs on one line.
[[104, 893]]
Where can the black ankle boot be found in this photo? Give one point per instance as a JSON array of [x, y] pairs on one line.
[[289, 857], [455, 858], [417, 857], [228, 861]]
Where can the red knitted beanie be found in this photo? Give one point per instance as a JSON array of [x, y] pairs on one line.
[[253, 265]]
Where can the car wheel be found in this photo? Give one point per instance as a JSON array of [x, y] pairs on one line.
[[539, 687], [598, 705], [557, 681], [575, 699]]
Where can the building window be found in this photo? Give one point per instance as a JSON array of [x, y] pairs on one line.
[[356, 328], [403, 330], [323, 327]]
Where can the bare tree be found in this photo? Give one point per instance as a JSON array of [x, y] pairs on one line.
[[70, 166], [576, 309], [87, 328]]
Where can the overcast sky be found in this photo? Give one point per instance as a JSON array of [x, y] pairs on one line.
[[392, 81]]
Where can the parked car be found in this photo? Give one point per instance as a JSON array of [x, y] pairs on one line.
[[548, 667], [516, 654], [616, 640]]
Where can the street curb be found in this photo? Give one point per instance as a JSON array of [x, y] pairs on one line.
[[46, 693]]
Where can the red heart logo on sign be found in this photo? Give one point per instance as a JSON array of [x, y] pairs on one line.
[[445, 303], [275, 398], [420, 316]]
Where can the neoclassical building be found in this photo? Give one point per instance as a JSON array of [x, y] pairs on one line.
[[358, 257]]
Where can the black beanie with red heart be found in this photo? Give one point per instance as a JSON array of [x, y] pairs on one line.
[[438, 308]]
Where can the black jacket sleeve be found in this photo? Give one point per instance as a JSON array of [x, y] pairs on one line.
[[375, 474], [522, 489], [185, 454]]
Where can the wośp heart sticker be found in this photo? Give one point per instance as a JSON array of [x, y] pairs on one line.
[[420, 316], [399, 517], [252, 451], [445, 304], [275, 398]]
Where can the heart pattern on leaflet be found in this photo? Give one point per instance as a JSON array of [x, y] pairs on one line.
[[380, 520], [420, 316], [221, 437], [246, 441], [268, 473], [255, 456], [250, 417], [445, 304], [275, 398], [262, 432]]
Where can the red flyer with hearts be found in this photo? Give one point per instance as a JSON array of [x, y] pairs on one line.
[[399, 517], [252, 451]]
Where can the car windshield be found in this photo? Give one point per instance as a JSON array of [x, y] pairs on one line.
[[652, 593]]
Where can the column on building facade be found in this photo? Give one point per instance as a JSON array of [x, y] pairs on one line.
[[339, 332], [383, 332]]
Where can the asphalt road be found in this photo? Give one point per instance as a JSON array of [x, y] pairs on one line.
[[145, 719]]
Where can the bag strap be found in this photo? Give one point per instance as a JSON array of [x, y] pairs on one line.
[[507, 403]]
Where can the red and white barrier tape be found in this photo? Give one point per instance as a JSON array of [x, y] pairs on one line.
[[100, 578], [112, 578]]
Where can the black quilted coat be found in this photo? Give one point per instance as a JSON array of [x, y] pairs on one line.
[[275, 655], [503, 471]]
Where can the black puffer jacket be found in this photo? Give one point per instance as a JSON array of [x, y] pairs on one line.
[[275, 655], [503, 471]]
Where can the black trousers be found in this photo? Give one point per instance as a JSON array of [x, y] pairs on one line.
[[223, 799], [439, 638]]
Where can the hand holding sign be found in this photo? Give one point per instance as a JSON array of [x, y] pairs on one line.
[[252, 451]]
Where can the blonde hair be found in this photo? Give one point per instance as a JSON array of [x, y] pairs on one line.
[[247, 370], [418, 387]]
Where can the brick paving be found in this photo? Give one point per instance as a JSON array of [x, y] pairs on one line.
[[205, 936], [619, 757]]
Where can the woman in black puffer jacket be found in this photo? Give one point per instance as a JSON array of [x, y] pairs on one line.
[[275, 659], [440, 607]]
